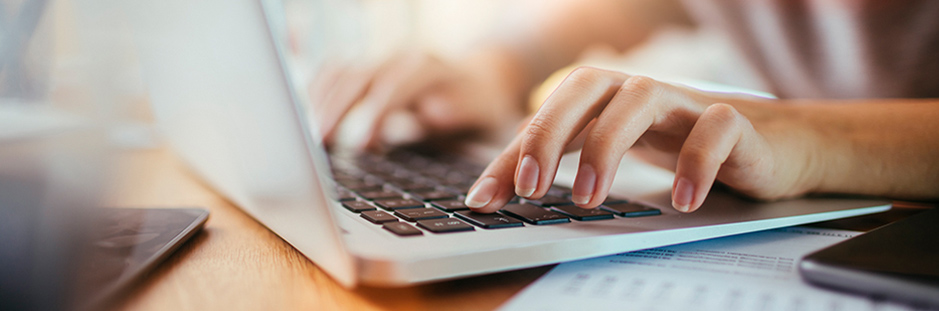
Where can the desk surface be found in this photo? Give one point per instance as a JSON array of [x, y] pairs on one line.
[[237, 264]]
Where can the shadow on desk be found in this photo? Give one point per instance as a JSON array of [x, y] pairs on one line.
[[485, 292]]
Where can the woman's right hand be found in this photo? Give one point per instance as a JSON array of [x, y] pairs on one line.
[[445, 98], [763, 150]]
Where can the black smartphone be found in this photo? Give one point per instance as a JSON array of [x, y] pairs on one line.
[[899, 262], [126, 243]]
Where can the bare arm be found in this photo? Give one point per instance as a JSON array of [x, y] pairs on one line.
[[878, 147], [539, 37]]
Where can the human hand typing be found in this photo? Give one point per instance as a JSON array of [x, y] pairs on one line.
[[445, 98], [757, 148]]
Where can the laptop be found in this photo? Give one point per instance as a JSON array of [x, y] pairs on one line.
[[222, 95]]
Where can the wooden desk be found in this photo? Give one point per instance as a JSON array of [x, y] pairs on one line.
[[237, 264]]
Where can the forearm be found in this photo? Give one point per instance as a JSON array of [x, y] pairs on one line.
[[883, 147], [539, 37]]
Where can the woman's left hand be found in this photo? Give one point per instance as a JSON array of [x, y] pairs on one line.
[[753, 146]]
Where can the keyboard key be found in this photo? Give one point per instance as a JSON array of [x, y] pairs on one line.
[[559, 191], [402, 229], [394, 204], [456, 178], [533, 214], [614, 200], [380, 194], [463, 188], [583, 214], [378, 216], [416, 214], [345, 195], [490, 221], [433, 195], [358, 206], [413, 185], [359, 184], [450, 205], [444, 225], [551, 200], [346, 174], [631, 209]]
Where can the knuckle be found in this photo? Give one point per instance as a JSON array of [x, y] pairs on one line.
[[721, 112], [540, 125], [602, 141], [538, 131], [589, 78], [585, 73], [726, 116], [604, 146], [640, 85]]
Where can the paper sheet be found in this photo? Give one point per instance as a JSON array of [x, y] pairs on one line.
[[755, 271]]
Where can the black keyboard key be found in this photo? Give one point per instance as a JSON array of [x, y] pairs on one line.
[[416, 214], [450, 205], [394, 204], [413, 185], [583, 214], [550, 200], [490, 221], [444, 225], [359, 184], [433, 195], [358, 206], [402, 229], [380, 194], [345, 195], [346, 174], [631, 209], [378, 216], [533, 214], [614, 200], [559, 191], [463, 188], [455, 178]]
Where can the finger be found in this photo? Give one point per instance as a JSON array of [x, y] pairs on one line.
[[711, 141], [577, 101], [494, 188], [627, 117], [396, 88]]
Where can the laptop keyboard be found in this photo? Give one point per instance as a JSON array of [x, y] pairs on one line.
[[409, 194]]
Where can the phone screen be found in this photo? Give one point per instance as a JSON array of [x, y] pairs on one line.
[[125, 243], [899, 261]]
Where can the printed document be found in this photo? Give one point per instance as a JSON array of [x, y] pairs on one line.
[[755, 271]]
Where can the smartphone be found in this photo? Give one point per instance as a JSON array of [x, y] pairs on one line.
[[124, 244], [899, 262]]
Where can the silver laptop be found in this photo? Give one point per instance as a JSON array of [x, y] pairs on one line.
[[222, 95]]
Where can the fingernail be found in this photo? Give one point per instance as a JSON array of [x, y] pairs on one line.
[[527, 179], [480, 195], [683, 195], [584, 184]]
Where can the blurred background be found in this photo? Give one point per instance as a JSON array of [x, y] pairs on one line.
[[72, 100], [78, 56]]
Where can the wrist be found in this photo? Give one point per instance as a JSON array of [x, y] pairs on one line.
[[830, 162]]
